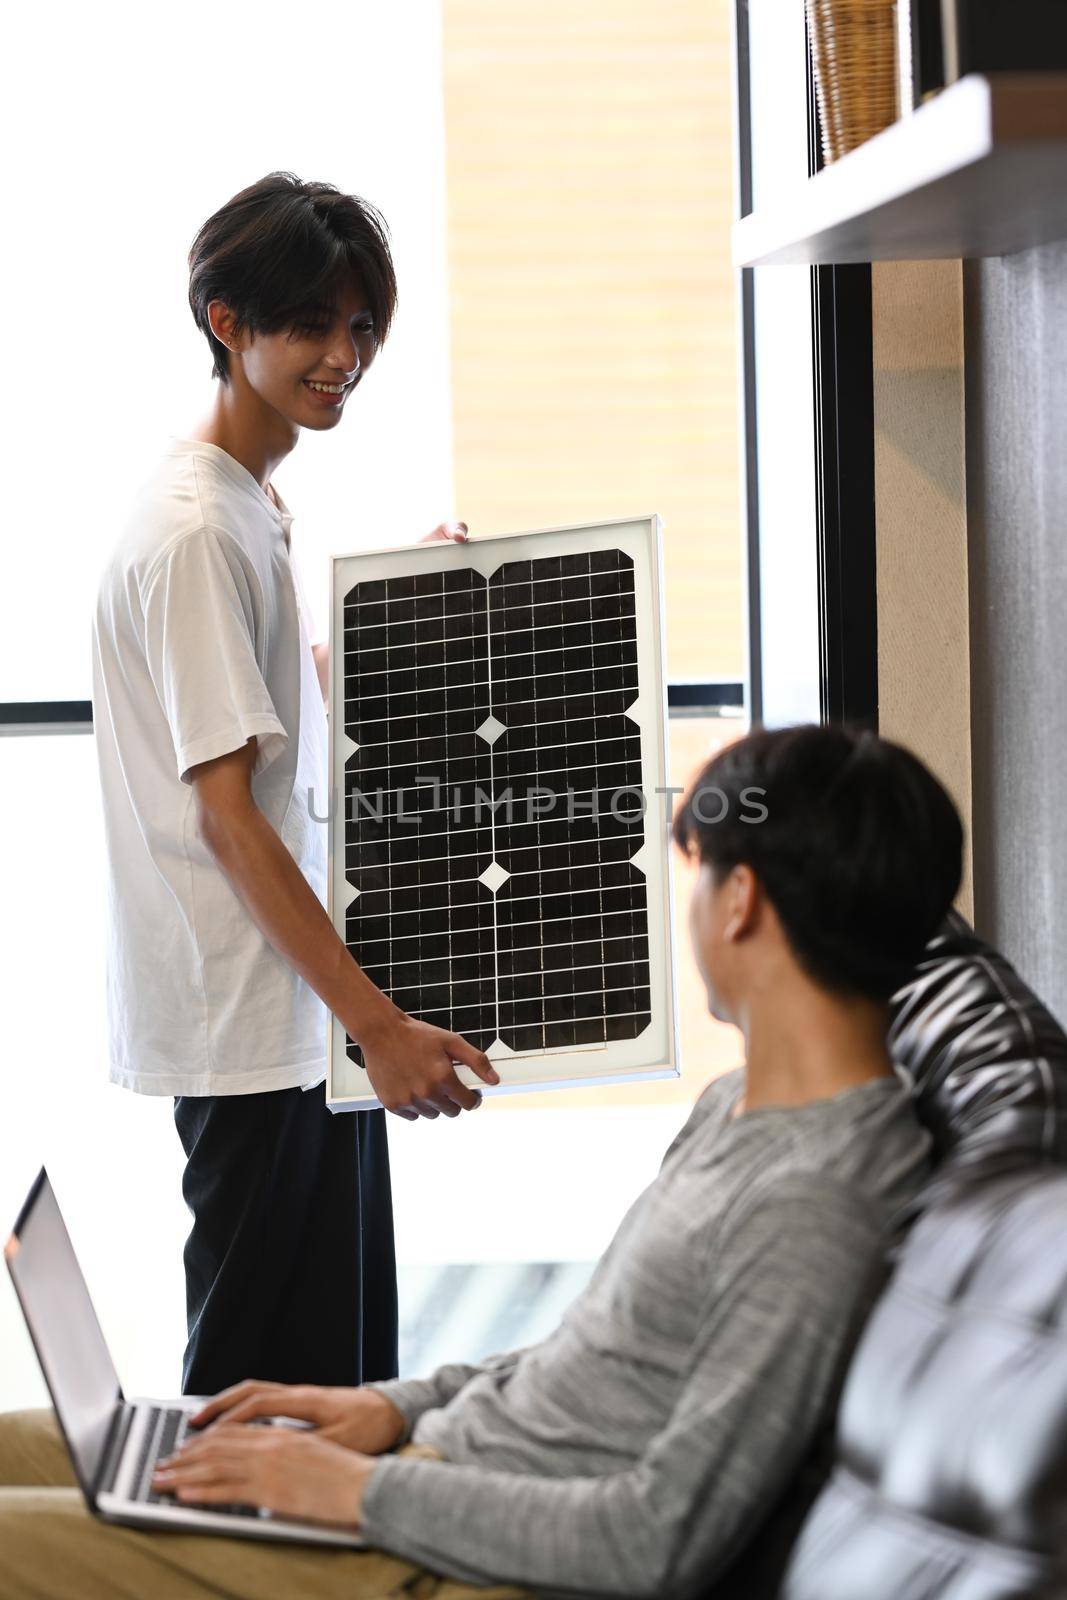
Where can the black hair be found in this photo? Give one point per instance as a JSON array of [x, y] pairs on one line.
[[280, 253], [856, 844]]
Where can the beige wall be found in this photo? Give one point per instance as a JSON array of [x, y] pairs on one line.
[[920, 487], [589, 176], [589, 185]]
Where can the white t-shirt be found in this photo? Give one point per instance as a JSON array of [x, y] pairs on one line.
[[199, 641]]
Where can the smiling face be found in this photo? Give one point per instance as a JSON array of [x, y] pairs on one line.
[[278, 370]]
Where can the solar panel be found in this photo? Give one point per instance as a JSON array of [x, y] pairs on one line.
[[499, 851]]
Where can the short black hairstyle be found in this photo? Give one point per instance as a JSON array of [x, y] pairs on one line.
[[279, 254], [855, 842]]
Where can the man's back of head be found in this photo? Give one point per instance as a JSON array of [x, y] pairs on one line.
[[827, 848]]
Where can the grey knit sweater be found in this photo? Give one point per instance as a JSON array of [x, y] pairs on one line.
[[637, 1449]]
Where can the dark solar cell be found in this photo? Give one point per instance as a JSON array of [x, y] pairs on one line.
[[509, 909]]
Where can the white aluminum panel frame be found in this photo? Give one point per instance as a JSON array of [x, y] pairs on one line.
[[654, 1052]]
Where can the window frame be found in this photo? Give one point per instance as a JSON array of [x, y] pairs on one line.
[[843, 388]]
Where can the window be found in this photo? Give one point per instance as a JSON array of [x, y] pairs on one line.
[[565, 350], [106, 198]]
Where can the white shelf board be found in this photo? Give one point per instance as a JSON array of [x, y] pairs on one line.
[[980, 170]]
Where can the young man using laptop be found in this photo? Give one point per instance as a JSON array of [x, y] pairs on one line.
[[223, 964], [639, 1448]]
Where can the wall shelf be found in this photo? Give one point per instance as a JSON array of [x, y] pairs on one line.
[[980, 170]]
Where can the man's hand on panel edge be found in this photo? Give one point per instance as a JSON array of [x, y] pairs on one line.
[[410, 1065], [447, 530]]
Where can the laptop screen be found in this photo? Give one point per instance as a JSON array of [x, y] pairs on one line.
[[66, 1334]]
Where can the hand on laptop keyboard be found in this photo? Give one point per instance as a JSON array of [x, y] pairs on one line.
[[167, 1429]]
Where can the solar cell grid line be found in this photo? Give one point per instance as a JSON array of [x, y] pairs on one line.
[[395, 642], [548, 608], [530, 605]]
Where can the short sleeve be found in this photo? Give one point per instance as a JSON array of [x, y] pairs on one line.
[[199, 607]]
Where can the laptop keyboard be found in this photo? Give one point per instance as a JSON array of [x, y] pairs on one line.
[[167, 1428]]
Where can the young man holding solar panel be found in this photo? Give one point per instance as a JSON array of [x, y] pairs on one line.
[[641, 1448], [211, 735]]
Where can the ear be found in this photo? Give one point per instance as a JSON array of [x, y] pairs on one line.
[[742, 891], [221, 320]]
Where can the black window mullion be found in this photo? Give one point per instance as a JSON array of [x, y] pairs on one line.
[[844, 387], [843, 365]]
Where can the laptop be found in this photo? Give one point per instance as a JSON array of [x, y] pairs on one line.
[[114, 1443]]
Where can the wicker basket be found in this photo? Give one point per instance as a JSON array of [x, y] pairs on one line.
[[854, 49]]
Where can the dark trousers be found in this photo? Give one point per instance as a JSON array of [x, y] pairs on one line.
[[290, 1270]]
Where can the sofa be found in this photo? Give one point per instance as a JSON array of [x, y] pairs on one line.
[[944, 1475]]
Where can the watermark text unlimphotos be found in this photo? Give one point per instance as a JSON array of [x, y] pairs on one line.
[[471, 804]]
